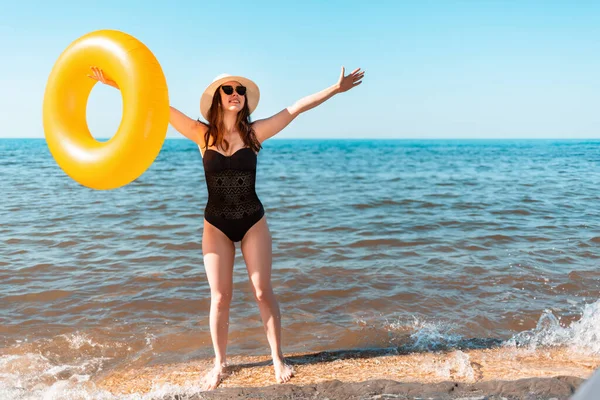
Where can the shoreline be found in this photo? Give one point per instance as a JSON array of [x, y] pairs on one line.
[[505, 372]]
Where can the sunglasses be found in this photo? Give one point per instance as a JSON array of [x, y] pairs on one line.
[[228, 90]]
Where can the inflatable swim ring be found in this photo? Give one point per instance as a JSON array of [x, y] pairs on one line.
[[143, 127]]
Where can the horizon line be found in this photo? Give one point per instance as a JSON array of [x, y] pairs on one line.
[[355, 138]]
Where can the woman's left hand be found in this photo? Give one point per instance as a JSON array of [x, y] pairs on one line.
[[348, 82]]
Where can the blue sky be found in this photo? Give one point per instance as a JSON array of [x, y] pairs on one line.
[[434, 69]]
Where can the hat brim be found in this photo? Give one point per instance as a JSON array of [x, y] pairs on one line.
[[252, 93]]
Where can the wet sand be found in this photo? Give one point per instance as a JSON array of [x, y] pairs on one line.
[[373, 374]]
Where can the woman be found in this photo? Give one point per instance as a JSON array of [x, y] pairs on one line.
[[229, 144]]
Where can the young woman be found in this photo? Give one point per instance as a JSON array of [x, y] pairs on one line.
[[229, 143]]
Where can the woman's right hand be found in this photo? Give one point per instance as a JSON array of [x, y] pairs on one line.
[[98, 75]]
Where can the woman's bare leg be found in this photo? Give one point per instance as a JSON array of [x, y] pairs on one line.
[[257, 251], [219, 253]]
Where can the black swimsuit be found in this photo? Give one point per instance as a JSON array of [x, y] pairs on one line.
[[233, 206]]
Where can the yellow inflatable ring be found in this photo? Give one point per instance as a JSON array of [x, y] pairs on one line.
[[143, 128]]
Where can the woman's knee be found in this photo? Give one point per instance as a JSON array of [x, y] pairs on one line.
[[220, 299], [263, 293]]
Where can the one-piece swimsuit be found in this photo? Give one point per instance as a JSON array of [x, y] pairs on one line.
[[233, 205]]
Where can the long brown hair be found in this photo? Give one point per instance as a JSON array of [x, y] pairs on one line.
[[216, 126]]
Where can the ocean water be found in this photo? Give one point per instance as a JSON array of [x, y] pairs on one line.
[[415, 245]]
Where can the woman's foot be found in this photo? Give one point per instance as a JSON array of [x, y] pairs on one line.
[[283, 371], [213, 377]]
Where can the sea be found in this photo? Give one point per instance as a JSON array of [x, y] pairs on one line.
[[414, 245]]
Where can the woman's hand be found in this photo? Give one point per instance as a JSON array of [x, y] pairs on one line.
[[98, 75], [348, 82]]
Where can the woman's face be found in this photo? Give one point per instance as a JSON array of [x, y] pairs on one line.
[[234, 101]]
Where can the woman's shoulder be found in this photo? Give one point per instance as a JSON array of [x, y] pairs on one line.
[[201, 127], [202, 124]]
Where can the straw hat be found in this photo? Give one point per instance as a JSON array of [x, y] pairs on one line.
[[252, 92]]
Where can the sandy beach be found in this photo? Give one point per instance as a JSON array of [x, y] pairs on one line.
[[483, 374]]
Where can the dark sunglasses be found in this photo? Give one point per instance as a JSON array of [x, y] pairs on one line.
[[228, 90]]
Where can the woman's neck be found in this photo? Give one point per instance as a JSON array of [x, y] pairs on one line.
[[229, 120]]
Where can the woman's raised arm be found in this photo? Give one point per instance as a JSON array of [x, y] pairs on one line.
[[269, 127]]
